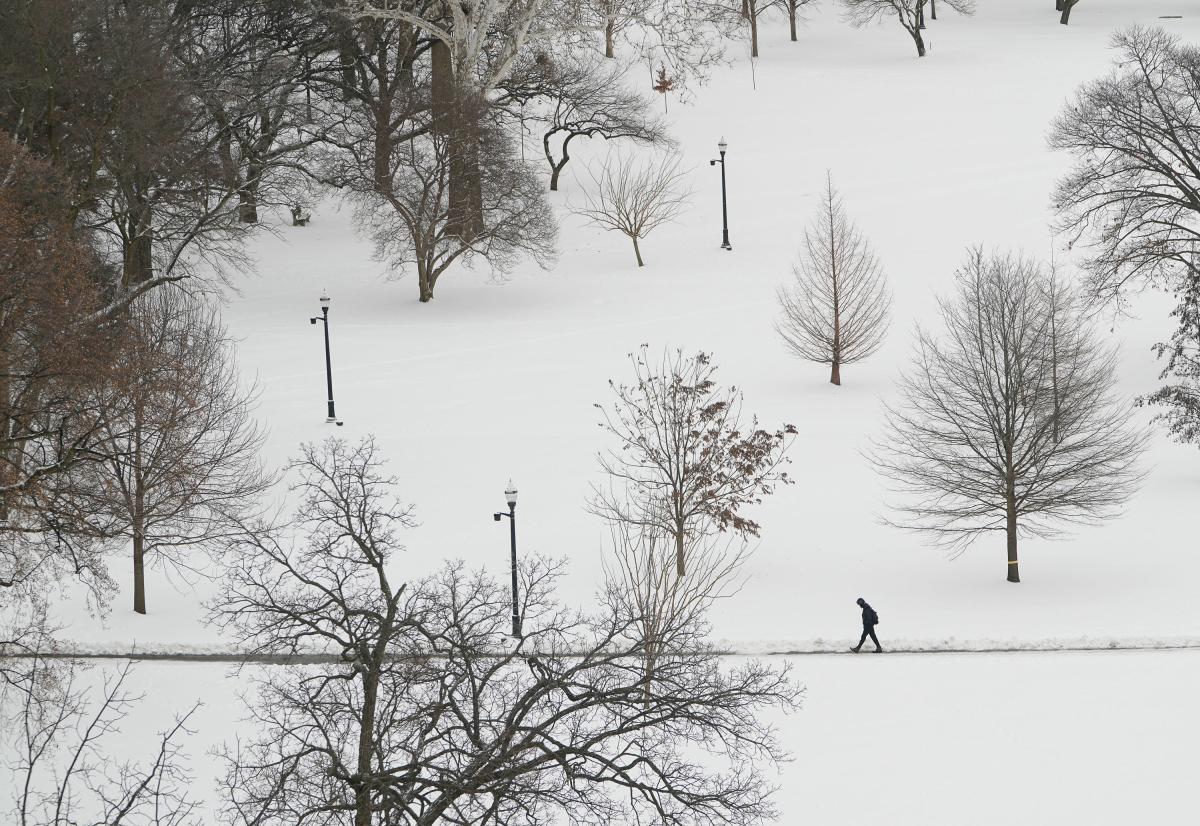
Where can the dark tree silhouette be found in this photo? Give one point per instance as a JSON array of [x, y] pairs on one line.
[[435, 716]]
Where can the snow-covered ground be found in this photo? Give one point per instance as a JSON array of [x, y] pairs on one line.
[[495, 380], [491, 381]]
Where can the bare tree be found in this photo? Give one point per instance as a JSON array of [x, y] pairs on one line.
[[634, 200], [434, 717], [910, 14], [671, 610], [415, 222], [688, 37], [182, 456], [686, 464], [975, 444], [581, 96], [793, 9], [837, 311], [1133, 195], [62, 771]]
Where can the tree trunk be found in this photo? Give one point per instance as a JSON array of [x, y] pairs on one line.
[[347, 58], [792, 18], [424, 283], [1066, 11], [920, 14], [465, 196], [381, 171], [745, 8], [933, 9], [1058, 5], [835, 375], [557, 167], [139, 248], [247, 205], [366, 741], [441, 86], [753, 4], [6, 478], [554, 170], [609, 32], [139, 567], [1011, 533], [916, 35], [637, 251], [680, 568]]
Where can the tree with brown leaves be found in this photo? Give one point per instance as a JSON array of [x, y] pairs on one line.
[[685, 463]]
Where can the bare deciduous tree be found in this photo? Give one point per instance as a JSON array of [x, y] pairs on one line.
[[793, 8], [976, 446], [435, 716], [1133, 195], [671, 610], [910, 14], [415, 223], [182, 450], [685, 464], [62, 771], [837, 311], [583, 96], [635, 199]]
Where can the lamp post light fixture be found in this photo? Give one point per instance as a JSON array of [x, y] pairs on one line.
[[721, 147], [331, 416], [510, 496]]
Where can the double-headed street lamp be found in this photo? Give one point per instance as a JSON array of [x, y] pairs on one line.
[[510, 496], [721, 147], [324, 319]]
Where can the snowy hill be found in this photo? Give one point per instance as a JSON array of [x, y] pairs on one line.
[[495, 380]]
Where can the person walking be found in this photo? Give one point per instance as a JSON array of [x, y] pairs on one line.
[[870, 620]]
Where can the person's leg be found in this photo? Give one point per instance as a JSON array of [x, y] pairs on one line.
[[861, 639], [874, 638]]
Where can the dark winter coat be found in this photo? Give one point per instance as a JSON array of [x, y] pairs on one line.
[[870, 618]]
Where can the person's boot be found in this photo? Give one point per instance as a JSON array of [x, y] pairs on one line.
[[855, 650], [879, 650]]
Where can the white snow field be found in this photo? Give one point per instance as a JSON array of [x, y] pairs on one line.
[[491, 381], [496, 379]]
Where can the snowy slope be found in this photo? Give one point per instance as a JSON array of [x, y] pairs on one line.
[[494, 380]]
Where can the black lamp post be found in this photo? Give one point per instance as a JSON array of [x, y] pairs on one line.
[[721, 147], [510, 496], [324, 318]]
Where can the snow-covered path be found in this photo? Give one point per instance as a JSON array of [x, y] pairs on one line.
[[765, 648]]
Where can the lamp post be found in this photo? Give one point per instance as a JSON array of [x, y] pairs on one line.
[[721, 147], [510, 496], [324, 319]]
